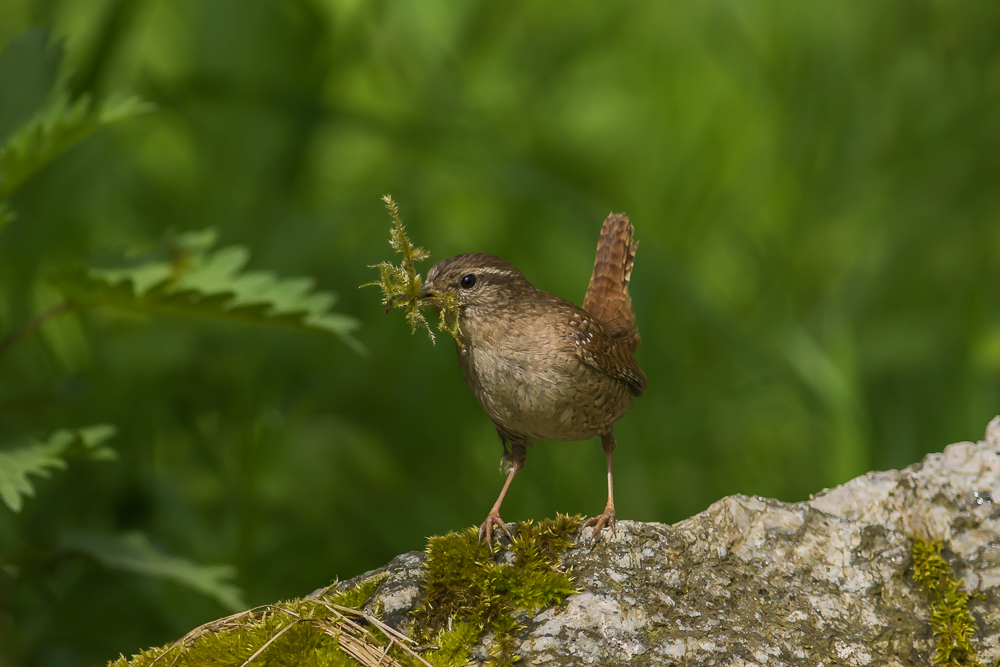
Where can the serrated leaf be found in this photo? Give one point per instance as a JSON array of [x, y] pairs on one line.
[[54, 129], [132, 552], [188, 280], [41, 458]]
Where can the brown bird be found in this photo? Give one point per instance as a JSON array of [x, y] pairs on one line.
[[541, 367]]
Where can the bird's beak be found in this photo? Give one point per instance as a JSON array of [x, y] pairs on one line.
[[427, 295]]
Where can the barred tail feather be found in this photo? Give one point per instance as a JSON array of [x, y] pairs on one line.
[[607, 297]]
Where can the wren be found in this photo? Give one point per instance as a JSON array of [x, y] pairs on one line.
[[541, 367]]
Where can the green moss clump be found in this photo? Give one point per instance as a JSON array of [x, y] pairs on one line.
[[401, 284], [469, 593], [311, 632], [951, 621]]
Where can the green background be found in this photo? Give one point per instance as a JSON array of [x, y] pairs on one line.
[[814, 188]]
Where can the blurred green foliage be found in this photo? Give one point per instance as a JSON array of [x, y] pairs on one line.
[[41, 458], [813, 187]]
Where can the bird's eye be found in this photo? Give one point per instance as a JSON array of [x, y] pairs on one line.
[[468, 281]]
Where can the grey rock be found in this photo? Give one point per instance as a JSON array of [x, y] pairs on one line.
[[753, 581]]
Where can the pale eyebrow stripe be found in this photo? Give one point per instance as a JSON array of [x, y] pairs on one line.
[[496, 272]]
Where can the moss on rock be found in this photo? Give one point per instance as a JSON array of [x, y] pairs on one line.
[[468, 591], [951, 622]]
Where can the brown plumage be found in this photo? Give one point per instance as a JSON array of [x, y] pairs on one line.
[[541, 367], [607, 296]]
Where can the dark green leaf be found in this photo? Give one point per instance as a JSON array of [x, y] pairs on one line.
[[54, 129], [192, 282], [132, 552], [40, 458]]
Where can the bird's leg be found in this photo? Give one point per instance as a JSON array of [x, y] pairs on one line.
[[608, 517], [493, 518], [515, 458]]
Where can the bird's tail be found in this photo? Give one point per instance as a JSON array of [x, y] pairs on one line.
[[607, 297]]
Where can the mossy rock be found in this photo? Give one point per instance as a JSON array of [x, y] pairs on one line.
[[467, 590], [835, 580]]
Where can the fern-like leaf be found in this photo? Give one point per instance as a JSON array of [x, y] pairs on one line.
[[186, 279], [54, 129], [41, 458], [132, 552]]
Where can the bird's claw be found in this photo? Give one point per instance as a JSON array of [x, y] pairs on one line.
[[599, 522], [486, 530]]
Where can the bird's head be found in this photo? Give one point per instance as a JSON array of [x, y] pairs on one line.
[[476, 280]]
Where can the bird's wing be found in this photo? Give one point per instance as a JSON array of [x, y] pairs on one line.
[[599, 349]]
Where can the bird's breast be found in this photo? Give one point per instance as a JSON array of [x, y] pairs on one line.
[[541, 390]]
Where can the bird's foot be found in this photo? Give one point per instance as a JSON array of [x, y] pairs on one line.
[[601, 521], [486, 530]]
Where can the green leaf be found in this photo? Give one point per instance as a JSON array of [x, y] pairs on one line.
[[132, 552], [187, 279], [40, 458], [55, 128]]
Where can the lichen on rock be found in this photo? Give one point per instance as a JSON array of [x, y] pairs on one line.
[[754, 581]]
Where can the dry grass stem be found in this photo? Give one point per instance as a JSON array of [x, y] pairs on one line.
[[204, 629], [352, 637], [270, 641]]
